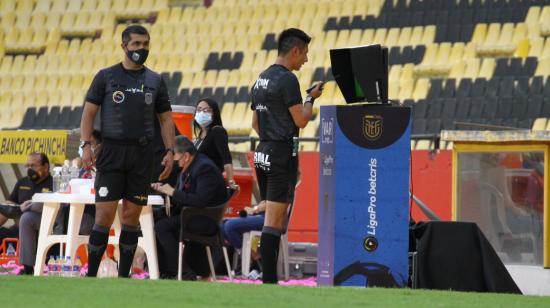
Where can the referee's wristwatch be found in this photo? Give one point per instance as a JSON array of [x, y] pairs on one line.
[[309, 99], [170, 151], [83, 144]]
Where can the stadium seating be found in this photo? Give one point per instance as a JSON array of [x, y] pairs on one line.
[[467, 61]]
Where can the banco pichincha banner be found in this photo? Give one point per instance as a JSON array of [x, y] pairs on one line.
[[16, 145], [364, 193]]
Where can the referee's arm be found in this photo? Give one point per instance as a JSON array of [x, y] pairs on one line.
[[86, 128], [301, 113]]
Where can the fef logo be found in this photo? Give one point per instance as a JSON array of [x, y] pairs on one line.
[[372, 126], [327, 130]]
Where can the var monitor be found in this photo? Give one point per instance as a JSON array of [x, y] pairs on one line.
[[361, 73]]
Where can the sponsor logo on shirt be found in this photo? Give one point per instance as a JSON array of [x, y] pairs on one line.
[[134, 90], [261, 107], [261, 83]]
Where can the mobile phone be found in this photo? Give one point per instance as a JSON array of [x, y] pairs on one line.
[[313, 87]]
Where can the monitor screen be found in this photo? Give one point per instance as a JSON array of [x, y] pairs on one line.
[[361, 73]]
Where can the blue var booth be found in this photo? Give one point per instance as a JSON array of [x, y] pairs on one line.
[[364, 195]]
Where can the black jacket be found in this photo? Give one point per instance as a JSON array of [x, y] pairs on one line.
[[201, 185]]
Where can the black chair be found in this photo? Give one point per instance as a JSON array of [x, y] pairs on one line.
[[270, 42], [28, 118], [215, 240], [212, 61], [41, 118]]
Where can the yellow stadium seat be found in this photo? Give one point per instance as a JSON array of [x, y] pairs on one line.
[[429, 35], [442, 57], [472, 68], [480, 32], [368, 36], [393, 89], [416, 35], [5, 66], [407, 73], [487, 68], [53, 19], [52, 82], [457, 70], [533, 15], [247, 78], [380, 36], [29, 64], [543, 68], [175, 15], [539, 124], [38, 20], [405, 89], [227, 111], [342, 39], [59, 6], [7, 6], [67, 22], [520, 33], [24, 6], [40, 67], [17, 81], [17, 65], [330, 39], [354, 37], [395, 73], [421, 89], [8, 21], [534, 30], [5, 83], [40, 81], [405, 36], [392, 38], [470, 51], [457, 53], [535, 46]]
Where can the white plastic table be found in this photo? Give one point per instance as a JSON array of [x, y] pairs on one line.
[[72, 239]]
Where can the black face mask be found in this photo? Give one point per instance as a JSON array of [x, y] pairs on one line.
[[138, 56], [33, 175]]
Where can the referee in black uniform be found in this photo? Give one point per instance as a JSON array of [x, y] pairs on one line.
[[279, 114], [130, 96]]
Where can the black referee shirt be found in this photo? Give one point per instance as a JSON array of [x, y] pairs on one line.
[[276, 90]]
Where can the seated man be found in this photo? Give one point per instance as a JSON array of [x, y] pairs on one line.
[[200, 184], [38, 180]]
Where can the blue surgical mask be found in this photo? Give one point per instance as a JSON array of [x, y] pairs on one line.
[[203, 118]]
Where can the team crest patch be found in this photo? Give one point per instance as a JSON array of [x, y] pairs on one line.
[[118, 97], [103, 191], [148, 98], [372, 127]]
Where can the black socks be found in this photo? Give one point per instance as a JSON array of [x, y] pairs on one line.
[[96, 247], [127, 245], [269, 250]]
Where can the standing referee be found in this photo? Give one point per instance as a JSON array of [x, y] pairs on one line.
[[279, 114], [130, 96]]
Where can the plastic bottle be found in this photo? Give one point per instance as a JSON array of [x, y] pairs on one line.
[[56, 180], [73, 171], [65, 178], [57, 267], [10, 251], [76, 267], [67, 267], [51, 266]]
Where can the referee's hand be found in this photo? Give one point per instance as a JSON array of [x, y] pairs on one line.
[[87, 157], [317, 90]]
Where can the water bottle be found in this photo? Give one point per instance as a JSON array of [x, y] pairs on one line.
[[73, 171], [58, 266], [76, 267], [10, 251], [56, 180], [51, 266], [67, 267], [65, 178]]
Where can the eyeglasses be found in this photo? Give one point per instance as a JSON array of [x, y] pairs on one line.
[[209, 110]]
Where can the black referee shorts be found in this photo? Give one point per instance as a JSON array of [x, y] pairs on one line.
[[276, 171], [124, 171]]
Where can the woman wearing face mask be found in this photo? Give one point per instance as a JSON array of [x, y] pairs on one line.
[[211, 137]]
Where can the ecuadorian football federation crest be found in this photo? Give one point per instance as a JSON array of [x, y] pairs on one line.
[[372, 126], [148, 98], [118, 97]]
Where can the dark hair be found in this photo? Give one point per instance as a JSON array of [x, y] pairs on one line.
[[184, 145], [291, 38], [133, 29], [43, 158], [97, 136], [216, 115]]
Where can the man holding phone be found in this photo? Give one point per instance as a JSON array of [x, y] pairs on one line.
[[279, 114]]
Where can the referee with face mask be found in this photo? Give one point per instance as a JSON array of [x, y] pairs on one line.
[[130, 96], [279, 114]]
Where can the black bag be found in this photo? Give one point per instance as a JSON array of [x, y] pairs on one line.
[[10, 211]]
